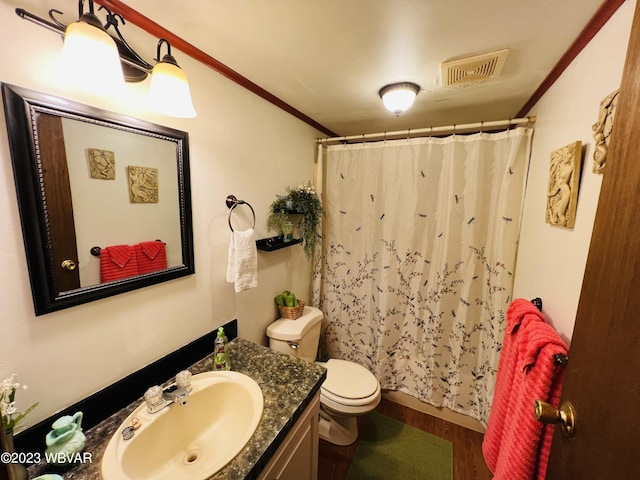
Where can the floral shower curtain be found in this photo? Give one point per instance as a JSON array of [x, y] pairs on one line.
[[417, 257]]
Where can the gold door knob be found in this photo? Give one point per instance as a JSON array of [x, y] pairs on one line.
[[565, 415], [68, 265]]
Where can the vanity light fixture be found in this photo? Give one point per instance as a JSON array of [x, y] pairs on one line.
[[398, 97], [90, 56], [169, 91], [90, 59]]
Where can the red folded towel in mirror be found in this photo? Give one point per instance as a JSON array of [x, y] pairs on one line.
[[116, 262], [151, 256]]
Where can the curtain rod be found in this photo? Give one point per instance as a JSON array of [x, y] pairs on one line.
[[463, 128]]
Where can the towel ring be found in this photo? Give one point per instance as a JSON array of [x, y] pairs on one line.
[[232, 202]]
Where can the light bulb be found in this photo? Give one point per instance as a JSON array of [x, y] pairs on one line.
[[169, 92], [398, 97], [90, 60]]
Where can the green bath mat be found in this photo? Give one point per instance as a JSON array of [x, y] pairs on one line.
[[390, 450]]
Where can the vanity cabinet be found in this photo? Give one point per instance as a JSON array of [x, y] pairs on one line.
[[288, 385], [297, 457]]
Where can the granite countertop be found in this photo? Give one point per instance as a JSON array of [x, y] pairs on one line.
[[288, 384]]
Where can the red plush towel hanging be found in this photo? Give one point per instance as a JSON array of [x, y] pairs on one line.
[[151, 256], [116, 262], [516, 446]]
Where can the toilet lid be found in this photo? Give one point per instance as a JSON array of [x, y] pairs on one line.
[[349, 380], [293, 330]]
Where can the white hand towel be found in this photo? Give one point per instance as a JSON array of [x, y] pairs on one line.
[[242, 266]]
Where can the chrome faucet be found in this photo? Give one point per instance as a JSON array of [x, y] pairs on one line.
[[176, 395], [157, 398]]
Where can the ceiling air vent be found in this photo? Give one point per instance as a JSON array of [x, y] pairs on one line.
[[478, 68]]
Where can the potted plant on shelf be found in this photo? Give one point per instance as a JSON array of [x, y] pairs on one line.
[[304, 201]]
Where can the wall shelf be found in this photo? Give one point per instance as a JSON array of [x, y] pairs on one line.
[[275, 243]]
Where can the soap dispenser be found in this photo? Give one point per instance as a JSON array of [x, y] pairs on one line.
[[221, 357]]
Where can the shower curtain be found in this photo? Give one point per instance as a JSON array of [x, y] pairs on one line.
[[415, 266]]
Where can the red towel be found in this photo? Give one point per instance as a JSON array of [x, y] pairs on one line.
[[151, 256], [516, 446], [519, 314], [116, 262]]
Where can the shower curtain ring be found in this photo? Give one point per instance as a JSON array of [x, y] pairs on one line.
[[408, 134]]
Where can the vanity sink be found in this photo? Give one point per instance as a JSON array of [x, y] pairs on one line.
[[191, 441]]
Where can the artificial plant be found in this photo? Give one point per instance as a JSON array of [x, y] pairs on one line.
[[302, 200]]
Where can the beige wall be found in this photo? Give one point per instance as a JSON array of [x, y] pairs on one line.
[[243, 145], [551, 260], [239, 144]]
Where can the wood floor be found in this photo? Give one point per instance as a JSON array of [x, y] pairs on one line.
[[468, 463]]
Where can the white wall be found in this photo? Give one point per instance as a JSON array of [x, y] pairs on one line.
[[551, 260], [239, 144]]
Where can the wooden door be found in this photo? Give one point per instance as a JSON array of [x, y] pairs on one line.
[[603, 374], [55, 178]]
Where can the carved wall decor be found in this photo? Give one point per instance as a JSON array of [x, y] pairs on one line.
[[143, 184], [564, 179], [602, 130], [102, 164]]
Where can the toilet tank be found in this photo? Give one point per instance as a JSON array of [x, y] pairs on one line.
[[299, 337]]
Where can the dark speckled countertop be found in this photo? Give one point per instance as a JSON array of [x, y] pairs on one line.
[[288, 385]]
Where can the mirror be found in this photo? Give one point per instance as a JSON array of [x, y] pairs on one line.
[[104, 199]]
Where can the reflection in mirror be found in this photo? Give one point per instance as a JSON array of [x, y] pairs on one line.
[[104, 199], [110, 164]]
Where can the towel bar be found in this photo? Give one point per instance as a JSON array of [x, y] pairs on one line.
[[232, 202], [537, 302], [558, 358], [95, 251], [561, 359]]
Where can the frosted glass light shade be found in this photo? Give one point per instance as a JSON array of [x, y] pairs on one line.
[[169, 92], [399, 97], [90, 60]]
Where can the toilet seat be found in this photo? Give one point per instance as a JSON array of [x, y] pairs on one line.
[[349, 384]]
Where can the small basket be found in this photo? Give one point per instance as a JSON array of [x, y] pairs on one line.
[[292, 313]]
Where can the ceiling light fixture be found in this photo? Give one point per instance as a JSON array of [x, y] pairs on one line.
[[84, 68], [398, 97]]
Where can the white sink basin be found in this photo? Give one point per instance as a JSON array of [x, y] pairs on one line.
[[192, 441]]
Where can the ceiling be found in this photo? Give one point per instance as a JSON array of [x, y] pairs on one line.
[[329, 58]]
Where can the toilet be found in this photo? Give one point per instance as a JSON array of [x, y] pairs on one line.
[[349, 389]]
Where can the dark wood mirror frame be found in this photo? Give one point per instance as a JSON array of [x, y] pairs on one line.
[[21, 105]]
